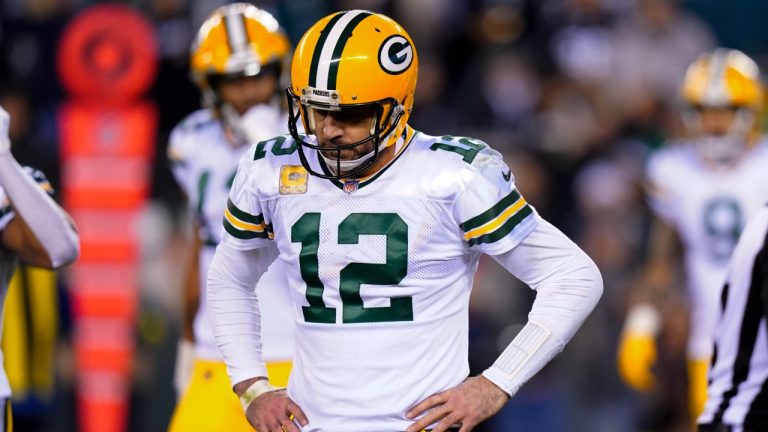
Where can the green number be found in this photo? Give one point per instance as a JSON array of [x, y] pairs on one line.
[[260, 152], [307, 232], [468, 148], [277, 147], [390, 273], [723, 222], [202, 190]]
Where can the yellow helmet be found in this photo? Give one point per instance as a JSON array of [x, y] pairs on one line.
[[354, 59], [236, 40], [723, 78]]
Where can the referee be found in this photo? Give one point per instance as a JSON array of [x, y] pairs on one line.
[[737, 397]]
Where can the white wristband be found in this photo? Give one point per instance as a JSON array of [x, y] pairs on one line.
[[258, 388], [644, 319], [513, 367]]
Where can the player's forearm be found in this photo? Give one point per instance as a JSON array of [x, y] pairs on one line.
[[46, 220], [568, 286], [234, 308]]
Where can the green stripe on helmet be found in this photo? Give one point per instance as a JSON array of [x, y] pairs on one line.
[[319, 48], [333, 72]]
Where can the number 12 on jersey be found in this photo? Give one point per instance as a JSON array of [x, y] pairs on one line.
[[307, 232]]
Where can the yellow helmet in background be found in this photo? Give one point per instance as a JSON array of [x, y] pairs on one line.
[[237, 40], [723, 78], [723, 98], [354, 59]]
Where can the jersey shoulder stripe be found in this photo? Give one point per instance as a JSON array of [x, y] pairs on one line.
[[498, 221], [243, 225]]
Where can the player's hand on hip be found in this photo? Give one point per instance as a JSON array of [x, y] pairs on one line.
[[467, 404], [274, 411]]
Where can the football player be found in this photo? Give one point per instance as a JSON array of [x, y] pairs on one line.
[[34, 230], [380, 229], [701, 192], [236, 61]]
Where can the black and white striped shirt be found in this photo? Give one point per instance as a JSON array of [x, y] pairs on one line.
[[738, 379]]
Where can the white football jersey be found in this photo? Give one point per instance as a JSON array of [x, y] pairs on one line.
[[379, 270], [708, 208], [9, 263], [204, 164]]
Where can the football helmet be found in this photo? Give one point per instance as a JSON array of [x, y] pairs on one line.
[[237, 40], [724, 79], [352, 60]]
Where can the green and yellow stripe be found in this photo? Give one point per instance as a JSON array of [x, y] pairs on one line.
[[245, 226], [498, 221], [324, 69]]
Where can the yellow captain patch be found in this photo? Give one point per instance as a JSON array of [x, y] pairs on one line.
[[293, 180]]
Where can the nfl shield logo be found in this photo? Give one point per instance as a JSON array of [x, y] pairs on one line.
[[350, 185]]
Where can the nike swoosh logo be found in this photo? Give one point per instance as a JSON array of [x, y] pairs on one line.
[[507, 175]]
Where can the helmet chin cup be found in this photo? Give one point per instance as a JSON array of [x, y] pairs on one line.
[[720, 150]]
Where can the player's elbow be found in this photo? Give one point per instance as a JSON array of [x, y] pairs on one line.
[[66, 253], [592, 273], [585, 282]]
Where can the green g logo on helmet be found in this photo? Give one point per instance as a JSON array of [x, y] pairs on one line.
[[395, 55]]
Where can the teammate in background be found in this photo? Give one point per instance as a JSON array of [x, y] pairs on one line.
[[236, 61], [701, 192], [738, 381], [34, 230], [380, 229]]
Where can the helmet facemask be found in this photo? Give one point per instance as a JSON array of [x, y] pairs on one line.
[[229, 114], [726, 148], [385, 119]]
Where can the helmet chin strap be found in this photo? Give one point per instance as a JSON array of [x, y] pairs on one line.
[[349, 165]]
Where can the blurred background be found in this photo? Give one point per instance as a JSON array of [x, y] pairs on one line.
[[574, 93]]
